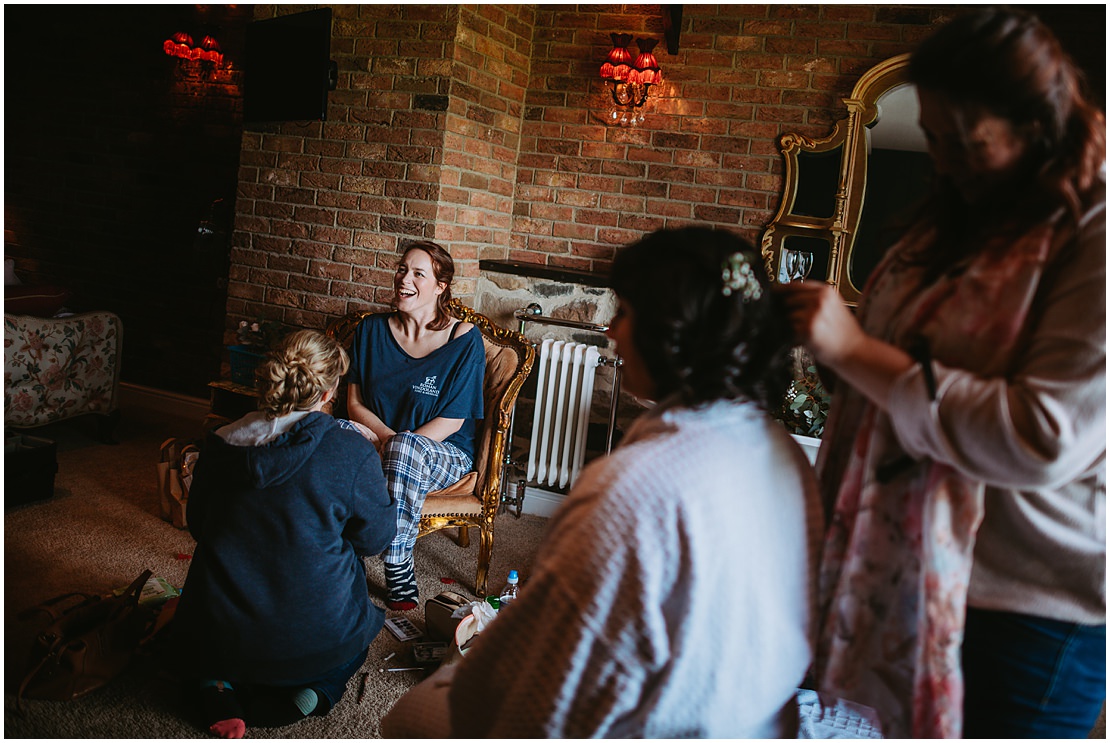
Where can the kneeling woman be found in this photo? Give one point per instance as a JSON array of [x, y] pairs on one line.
[[274, 617], [673, 596]]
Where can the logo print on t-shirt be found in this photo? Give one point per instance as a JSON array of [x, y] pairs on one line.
[[427, 387]]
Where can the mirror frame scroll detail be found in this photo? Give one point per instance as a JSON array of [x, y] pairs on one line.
[[841, 227]]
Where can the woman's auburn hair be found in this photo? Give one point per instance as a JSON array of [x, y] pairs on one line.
[[295, 376], [697, 343], [1007, 63], [443, 269]]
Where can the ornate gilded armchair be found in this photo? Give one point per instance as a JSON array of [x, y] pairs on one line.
[[473, 501]]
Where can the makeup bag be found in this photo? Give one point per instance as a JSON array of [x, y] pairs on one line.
[[438, 622]]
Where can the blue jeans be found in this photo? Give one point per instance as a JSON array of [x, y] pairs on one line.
[[1028, 677]]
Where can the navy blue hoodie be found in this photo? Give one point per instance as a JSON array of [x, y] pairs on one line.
[[276, 593]]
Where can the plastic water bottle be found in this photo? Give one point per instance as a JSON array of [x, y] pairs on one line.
[[508, 593]]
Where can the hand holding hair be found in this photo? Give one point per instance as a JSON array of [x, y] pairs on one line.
[[821, 320]]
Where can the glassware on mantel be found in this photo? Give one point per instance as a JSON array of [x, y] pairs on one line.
[[798, 264]]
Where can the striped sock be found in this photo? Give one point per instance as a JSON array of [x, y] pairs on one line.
[[306, 701], [400, 580]]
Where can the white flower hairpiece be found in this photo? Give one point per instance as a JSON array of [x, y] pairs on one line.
[[737, 275]]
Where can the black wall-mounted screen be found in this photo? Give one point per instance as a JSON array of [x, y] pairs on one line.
[[286, 68]]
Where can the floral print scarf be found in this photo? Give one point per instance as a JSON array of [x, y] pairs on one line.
[[898, 552]]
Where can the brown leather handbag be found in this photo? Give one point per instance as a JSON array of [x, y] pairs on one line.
[[87, 644]]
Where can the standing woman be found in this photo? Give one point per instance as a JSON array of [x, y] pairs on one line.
[[416, 382], [964, 463], [274, 617], [672, 596]]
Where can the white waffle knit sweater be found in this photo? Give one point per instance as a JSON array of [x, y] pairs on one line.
[[672, 596]]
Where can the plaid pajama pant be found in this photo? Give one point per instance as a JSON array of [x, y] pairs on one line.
[[414, 466]]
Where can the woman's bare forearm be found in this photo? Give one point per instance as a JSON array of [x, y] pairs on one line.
[[359, 413], [440, 428]]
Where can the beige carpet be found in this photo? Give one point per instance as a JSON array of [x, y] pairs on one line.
[[102, 528]]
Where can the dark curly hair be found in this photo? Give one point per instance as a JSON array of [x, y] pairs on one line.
[[697, 343]]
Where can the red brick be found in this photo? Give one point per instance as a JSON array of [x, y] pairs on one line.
[[606, 217], [551, 183], [621, 203], [571, 230], [717, 214], [693, 193], [622, 168], [618, 236], [768, 28], [737, 197], [640, 222], [670, 208]]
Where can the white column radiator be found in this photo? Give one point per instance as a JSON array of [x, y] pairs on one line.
[[564, 393]]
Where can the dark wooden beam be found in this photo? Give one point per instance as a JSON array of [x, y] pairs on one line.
[[672, 26]]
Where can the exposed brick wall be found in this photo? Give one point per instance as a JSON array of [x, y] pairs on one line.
[[323, 206], [483, 127], [707, 151], [492, 55], [420, 142]]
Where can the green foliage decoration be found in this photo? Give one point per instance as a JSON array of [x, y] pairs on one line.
[[806, 405]]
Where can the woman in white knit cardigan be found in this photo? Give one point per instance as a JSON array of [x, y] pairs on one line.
[[673, 594]]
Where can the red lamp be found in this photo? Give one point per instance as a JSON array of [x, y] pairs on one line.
[[647, 68], [180, 45], [631, 81], [618, 64], [210, 50]]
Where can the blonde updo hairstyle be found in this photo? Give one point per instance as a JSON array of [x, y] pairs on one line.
[[299, 372]]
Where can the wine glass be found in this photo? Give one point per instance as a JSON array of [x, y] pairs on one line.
[[798, 264]]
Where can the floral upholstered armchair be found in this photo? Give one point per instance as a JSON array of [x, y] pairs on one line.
[[61, 367]]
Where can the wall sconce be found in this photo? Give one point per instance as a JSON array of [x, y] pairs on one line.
[[180, 45], [630, 80], [210, 51]]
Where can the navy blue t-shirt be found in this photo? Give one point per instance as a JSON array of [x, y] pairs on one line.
[[407, 392]]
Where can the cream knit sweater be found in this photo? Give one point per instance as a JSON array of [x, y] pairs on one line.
[[672, 596], [1038, 439]]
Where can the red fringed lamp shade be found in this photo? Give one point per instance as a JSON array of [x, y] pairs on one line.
[[180, 45], [647, 70], [210, 50], [618, 65]]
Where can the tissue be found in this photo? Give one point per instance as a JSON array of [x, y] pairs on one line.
[[483, 614]]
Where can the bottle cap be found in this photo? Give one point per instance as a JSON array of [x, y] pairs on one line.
[[513, 577]]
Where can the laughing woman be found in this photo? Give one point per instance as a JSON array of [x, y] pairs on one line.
[[416, 383]]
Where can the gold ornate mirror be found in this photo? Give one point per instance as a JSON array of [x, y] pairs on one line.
[[842, 193]]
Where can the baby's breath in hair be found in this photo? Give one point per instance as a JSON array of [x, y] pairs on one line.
[[737, 275]]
